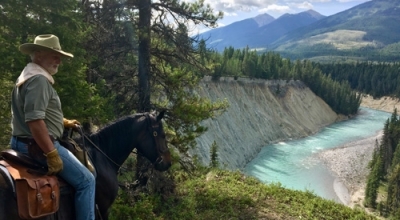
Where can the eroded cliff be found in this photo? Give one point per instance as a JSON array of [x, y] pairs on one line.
[[260, 112]]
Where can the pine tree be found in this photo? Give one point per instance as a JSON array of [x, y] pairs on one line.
[[214, 155], [373, 183], [393, 193], [21, 22], [374, 177]]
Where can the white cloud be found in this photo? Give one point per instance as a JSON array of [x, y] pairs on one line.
[[305, 5], [239, 5], [275, 9], [312, 1], [229, 7], [233, 8], [343, 1]]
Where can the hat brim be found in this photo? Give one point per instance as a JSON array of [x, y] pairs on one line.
[[29, 48]]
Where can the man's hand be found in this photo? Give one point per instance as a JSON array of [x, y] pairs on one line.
[[71, 123], [54, 162]]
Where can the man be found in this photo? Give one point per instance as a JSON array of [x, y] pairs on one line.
[[37, 114]]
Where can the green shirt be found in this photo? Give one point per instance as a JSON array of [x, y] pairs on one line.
[[36, 99]]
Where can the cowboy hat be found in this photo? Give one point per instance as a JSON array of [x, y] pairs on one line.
[[44, 42]]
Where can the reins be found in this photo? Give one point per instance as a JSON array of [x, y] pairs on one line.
[[94, 145]]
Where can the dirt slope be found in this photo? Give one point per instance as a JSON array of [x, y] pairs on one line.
[[261, 112]]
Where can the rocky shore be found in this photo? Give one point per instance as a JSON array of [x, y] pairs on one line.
[[349, 163]]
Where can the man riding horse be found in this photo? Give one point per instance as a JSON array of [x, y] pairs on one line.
[[38, 121]]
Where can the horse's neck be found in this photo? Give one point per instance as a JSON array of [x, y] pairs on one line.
[[117, 141]]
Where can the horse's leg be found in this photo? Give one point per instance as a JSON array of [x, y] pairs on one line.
[[106, 192], [8, 203], [103, 203]]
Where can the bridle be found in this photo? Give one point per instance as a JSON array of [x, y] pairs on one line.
[[155, 134]]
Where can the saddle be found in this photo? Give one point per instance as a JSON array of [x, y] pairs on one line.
[[37, 194]]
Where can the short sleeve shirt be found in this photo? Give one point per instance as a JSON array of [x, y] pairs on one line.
[[33, 100]]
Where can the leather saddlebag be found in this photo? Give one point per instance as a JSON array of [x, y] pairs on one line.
[[37, 197]]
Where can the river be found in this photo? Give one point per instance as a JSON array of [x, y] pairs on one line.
[[293, 163]]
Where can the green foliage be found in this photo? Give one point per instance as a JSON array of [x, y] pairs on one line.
[[214, 155], [393, 200], [219, 194], [142, 209], [385, 170], [5, 112], [186, 108], [373, 183], [377, 79], [246, 63], [22, 20]]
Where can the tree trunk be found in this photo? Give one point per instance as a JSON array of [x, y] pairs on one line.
[[144, 55], [144, 75]]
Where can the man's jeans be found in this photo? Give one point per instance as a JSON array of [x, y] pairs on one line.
[[77, 175]]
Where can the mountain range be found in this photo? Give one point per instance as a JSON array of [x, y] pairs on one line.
[[367, 31]]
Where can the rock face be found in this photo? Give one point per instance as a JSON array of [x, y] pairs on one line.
[[261, 112]]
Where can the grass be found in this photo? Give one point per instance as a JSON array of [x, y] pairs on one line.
[[339, 39], [333, 59], [219, 194]]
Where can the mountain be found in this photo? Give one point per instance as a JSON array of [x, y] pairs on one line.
[[265, 35], [229, 35], [258, 31], [374, 24], [369, 31]]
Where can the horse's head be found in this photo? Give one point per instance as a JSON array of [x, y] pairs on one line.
[[154, 144]]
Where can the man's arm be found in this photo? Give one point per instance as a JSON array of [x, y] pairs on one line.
[[41, 135]]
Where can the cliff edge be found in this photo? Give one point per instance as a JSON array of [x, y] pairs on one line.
[[261, 112]]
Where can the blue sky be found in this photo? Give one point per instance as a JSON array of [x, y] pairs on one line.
[[236, 10]]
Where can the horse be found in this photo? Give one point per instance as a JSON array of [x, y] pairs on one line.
[[108, 149]]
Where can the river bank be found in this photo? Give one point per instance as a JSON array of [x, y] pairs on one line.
[[349, 162]]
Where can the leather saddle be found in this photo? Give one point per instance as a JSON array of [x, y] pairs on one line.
[[37, 194], [13, 164]]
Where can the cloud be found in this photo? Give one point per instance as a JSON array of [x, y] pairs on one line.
[[275, 9], [230, 6], [303, 5], [311, 1], [343, 1]]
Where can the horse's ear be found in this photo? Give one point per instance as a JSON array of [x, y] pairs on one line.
[[161, 115]]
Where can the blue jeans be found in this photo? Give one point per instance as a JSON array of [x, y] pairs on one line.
[[77, 175]]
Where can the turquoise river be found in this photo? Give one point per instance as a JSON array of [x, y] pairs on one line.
[[294, 164]]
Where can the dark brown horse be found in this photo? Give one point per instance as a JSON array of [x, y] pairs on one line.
[[108, 149]]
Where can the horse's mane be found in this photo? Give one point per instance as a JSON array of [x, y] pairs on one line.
[[115, 129]]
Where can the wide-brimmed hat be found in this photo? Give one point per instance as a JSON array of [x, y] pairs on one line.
[[44, 42]]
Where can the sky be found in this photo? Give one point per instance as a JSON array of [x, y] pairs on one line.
[[237, 10]]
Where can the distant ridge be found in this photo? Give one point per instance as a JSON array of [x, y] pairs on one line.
[[232, 34], [369, 31], [263, 19], [372, 26], [267, 34], [261, 30], [364, 17]]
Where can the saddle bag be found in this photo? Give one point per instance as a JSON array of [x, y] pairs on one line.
[[37, 194], [37, 197]]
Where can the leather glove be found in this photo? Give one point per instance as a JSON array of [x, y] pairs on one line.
[[54, 162], [70, 123]]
